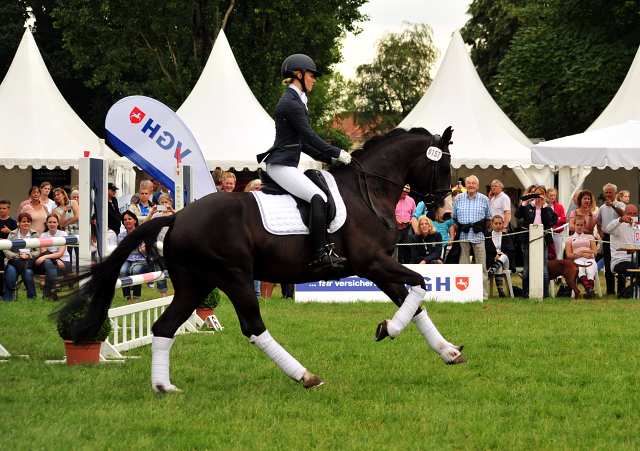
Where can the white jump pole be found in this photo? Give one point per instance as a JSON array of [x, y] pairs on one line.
[[179, 183], [536, 256]]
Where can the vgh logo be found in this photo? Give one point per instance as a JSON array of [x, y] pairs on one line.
[[136, 116]]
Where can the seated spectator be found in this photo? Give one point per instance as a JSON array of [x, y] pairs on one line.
[[137, 261], [621, 233], [500, 252], [13, 259], [166, 210], [586, 209], [54, 259], [429, 249], [581, 248], [142, 206], [229, 182], [7, 224], [36, 210], [623, 196]]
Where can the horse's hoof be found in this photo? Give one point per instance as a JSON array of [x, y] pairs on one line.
[[382, 332], [457, 360], [310, 380], [160, 388]]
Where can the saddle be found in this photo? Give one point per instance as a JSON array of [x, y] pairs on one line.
[[269, 186]]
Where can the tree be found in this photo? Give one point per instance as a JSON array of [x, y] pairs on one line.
[[13, 15], [391, 86], [327, 101], [562, 70]]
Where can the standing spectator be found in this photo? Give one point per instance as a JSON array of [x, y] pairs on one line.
[[472, 213], [500, 253], [143, 205], [558, 209], [612, 209], [586, 208], [500, 203], [45, 189], [229, 182], [68, 213], [154, 185], [11, 272], [581, 248], [404, 208], [7, 224], [536, 211], [621, 234], [623, 196], [114, 221], [427, 242], [218, 178], [165, 203], [447, 231], [253, 185], [136, 263], [288, 290], [164, 190], [36, 210], [54, 259]]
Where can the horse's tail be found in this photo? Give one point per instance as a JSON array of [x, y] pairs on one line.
[[96, 286]]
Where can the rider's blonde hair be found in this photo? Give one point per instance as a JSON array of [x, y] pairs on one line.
[[288, 81]]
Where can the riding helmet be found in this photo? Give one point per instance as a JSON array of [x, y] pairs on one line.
[[298, 62]]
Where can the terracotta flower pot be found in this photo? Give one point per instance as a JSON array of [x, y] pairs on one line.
[[204, 312], [82, 353]]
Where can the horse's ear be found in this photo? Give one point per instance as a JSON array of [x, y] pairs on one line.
[[446, 136]]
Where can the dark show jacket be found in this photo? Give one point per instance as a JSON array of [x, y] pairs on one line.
[[295, 135], [429, 251], [528, 214], [506, 247]]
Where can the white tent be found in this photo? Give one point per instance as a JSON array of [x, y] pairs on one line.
[[37, 125], [226, 119], [483, 134]]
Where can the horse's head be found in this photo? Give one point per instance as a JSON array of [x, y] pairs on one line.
[[431, 174]]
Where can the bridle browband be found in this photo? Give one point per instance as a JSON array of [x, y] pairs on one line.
[[428, 199]]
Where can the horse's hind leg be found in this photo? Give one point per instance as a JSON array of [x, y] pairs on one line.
[[248, 310], [448, 352]]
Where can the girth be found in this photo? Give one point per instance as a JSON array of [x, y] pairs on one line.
[[269, 186]]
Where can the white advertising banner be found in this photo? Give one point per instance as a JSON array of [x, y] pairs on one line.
[[445, 283], [149, 133]]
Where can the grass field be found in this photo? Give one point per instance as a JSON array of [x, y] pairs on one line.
[[559, 374]]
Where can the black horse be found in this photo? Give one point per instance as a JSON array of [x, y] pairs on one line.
[[219, 241]]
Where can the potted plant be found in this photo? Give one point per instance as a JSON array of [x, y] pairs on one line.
[[209, 304], [84, 352]]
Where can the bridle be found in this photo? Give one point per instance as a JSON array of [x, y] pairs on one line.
[[428, 199]]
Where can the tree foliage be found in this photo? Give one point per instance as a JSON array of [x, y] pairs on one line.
[[391, 86], [13, 16]]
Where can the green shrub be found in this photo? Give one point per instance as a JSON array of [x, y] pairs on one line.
[[65, 324], [212, 300]]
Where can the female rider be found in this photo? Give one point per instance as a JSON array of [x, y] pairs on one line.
[[294, 135]]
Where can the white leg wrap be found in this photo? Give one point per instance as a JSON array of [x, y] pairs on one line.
[[277, 353], [160, 348], [442, 347], [406, 311]]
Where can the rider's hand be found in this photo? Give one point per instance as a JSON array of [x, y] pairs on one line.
[[344, 158]]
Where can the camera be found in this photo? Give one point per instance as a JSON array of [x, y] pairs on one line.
[[162, 208]]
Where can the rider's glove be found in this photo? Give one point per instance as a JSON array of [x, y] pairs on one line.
[[344, 158]]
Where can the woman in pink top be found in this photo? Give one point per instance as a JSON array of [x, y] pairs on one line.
[[581, 248]]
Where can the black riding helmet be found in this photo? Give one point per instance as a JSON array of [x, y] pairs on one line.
[[299, 62]]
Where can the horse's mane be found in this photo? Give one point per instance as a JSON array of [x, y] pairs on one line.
[[377, 139]]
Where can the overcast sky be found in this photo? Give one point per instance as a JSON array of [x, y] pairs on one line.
[[443, 16]]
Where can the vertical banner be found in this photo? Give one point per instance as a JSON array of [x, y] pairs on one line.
[[149, 133]]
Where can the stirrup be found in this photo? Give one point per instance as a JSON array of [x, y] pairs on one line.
[[328, 259]]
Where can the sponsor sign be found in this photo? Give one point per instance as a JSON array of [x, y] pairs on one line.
[[150, 134], [445, 283]]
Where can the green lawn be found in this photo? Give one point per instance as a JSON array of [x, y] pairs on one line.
[[559, 374]]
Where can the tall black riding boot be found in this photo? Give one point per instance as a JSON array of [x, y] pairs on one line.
[[323, 254]]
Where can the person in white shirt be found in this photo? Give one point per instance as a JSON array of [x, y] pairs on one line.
[[621, 234], [500, 203], [54, 259]]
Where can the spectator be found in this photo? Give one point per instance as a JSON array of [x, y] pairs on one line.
[[586, 208], [623, 196], [112, 240], [13, 264], [427, 247], [404, 208], [253, 185], [621, 233], [7, 224], [67, 211], [581, 248], [610, 210], [535, 211], [558, 209], [143, 205], [472, 213], [114, 221], [54, 259], [229, 182], [421, 210], [36, 210], [500, 252], [167, 210], [218, 178], [500, 203], [288, 290], [137, 261], [75, 195], [154, 185], [164, 190]]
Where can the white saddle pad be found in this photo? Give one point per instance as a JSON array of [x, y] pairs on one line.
[[280, 214]]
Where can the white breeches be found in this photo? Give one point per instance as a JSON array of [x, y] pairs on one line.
[[505, 262], [591, 271], [294, 181]]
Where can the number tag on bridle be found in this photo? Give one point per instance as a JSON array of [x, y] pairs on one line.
[[434, 154]]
